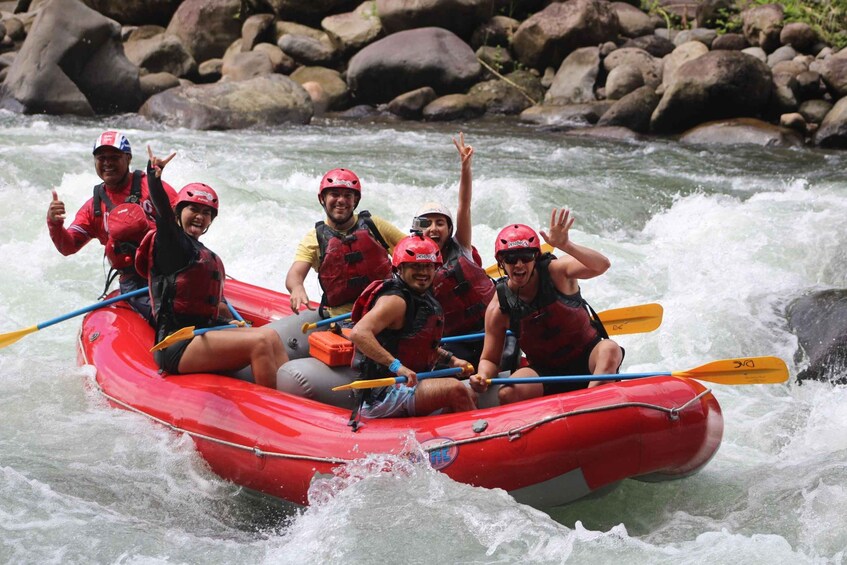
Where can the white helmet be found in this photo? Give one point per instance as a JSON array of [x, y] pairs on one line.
[[435, 208]]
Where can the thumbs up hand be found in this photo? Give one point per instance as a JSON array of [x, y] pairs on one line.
[[56, 211]]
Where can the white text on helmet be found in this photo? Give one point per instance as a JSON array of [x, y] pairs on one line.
[[203, 194], [425, 257], [518, 243]]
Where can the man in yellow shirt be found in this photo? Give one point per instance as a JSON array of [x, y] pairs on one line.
[[347, 250]]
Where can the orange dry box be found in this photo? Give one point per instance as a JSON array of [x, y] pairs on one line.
[[330, 347]]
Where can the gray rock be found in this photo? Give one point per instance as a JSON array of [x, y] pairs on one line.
[[495, 32], [547, 37], [412, 59], [622, 80], [308, 10], [819, 320], [128, 12], [161, 53], [742, 131], [497, 58], [522, 90], [575, 115], [258, 28], [72, 62], [717, 85], [650, 67], [410, 105], [154, 83], [206, 27], [762, 26], [262, 101], [244, 66], [459, 16], [686, 52], [633, 111], [210, 70], [809, 85], [280, 62], [633, 22], [814, 111], [704, 36], [653, 44], [834, 73], [781, 54], [730, 42], [800, 36], [333, 85], [833, 129], [756, 52], [453, 107], [307, 50], [574, 81], [351, 31]]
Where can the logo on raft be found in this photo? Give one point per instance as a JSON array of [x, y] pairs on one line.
[[442, 452]]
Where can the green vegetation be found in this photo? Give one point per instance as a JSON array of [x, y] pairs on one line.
[[827, 17]]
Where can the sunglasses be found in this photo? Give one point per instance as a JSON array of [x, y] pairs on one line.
[[514, 257]]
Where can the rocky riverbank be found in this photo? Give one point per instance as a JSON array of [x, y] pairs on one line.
[[590, 67]]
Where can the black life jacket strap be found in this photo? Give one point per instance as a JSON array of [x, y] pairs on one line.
[[101, 196]]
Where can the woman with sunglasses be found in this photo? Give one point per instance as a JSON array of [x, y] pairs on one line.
[[540, 301]]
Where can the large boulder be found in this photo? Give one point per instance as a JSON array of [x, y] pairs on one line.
[[333, 86], [575, 79], [633, 22], [547, 37], [412, 59], [266, 100], [717, 85], [762, 25], [632, 111], [833, 129], [819, 320], [161, 53], [351, 31], [72, 62], [742, 131], [206, 27], [512, 96], [650, 67], [136, 12], [459, 16], [834, 73], [309, 11]]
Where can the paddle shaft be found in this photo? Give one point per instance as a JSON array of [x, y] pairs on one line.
[[433, 374], [575, 378], [94, 306]]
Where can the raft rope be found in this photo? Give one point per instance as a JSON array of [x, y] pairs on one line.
[[516, 433], [512, 435]]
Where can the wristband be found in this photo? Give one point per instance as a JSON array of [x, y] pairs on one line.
[[395, 366], [448, 355]]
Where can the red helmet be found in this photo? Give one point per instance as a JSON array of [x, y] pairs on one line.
[[516, 236], [416, 249], [340, 178], [198, 193]]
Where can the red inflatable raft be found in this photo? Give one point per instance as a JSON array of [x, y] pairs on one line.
[[545, 452]]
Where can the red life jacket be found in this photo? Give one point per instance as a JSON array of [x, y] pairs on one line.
[[189, 296], [348, 263], [126, 225], [416, 344], [463, 289], [556, 328]]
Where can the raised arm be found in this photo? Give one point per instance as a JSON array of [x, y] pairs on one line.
[[464, 227], [581, 262]]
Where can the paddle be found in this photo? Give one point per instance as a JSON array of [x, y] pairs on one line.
[[628, 320], [321, 323], [11, 337], [740, 371], [388, 381], [187, 333]]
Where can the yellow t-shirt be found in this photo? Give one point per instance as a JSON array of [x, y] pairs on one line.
[[309, 252]]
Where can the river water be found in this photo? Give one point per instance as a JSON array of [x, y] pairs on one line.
[[724, 239]]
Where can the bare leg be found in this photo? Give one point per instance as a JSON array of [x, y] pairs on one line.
[[516, 393], [605, 359], [447, 393], [229, 350]]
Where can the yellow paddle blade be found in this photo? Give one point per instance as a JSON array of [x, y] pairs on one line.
[[740, 371], [632, 319], [388, 381], [494, 271], [179, 335], [9, 338]]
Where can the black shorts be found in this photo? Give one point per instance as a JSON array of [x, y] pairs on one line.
[[168, 358]]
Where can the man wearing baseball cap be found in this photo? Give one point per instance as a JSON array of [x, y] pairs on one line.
[[121, 194]]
